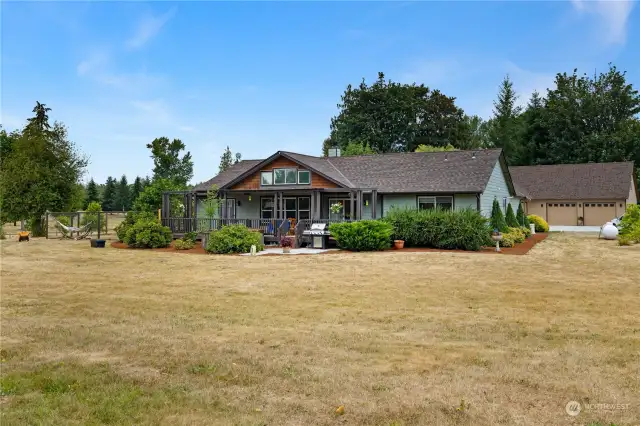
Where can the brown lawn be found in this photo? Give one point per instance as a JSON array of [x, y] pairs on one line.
[[93, 336]]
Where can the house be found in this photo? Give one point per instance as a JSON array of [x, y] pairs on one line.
[[570, 194], [303, 188]]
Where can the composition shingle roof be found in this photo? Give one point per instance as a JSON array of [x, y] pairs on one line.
[[597, 181], [454, 171]]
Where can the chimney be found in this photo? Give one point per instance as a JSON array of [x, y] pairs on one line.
[[333, 152]]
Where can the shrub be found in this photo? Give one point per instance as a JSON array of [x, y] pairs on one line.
[[624, 240], [183, 244], [541, 225], [2, 234], [517, 234], [131, 218], [497, 218], [521, 217], [631, 220], [462, 229], [147, 234], [286, 242], [507, 240], [234, 239], [526, 230], [191, 236], [364, 235], [64, 220], [510, 217], [91, 216]]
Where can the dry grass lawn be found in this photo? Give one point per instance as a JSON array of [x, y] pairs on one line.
[[95, 336]]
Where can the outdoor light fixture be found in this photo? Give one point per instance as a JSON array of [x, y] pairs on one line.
[[249, 197]]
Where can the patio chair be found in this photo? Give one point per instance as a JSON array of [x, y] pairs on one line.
[[283, 229]]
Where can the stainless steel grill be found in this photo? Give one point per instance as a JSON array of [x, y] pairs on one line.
[[319, 235]]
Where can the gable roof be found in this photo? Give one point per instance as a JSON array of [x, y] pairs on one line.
[[597, 181], [446, 172]]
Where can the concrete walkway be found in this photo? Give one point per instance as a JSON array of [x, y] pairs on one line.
[[278, 250], [559, 228]]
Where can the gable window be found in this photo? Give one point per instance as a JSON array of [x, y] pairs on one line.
[[427, 203], [285, 176], [266, 178], [304, 177]]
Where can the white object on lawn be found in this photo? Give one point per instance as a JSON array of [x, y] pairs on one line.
[[609, 231], [532, 226], [253, 250]]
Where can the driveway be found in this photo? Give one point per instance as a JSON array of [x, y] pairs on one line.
[[559, 228]]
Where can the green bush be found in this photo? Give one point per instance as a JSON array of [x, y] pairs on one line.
[[183, 244], [510, 217], [630, 223], [461, 229], [497, 218], [507, 240], [90, 216], [191, 236], [64, 220], [131, 218], [147, 234], [2, 234], [540, 224], [233, 239], [521, 217], [364, 235], [624, 240], [517, 234], [526, 230]]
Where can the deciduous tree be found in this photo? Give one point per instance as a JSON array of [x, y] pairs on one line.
[[167, 163]]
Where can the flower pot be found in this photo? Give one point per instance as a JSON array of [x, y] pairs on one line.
[[398, 244], [286, 249]]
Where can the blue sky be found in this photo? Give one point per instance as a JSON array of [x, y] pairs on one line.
[[266, 76]]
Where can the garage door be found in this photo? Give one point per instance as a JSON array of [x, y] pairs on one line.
[[562, 214], [597, 214]]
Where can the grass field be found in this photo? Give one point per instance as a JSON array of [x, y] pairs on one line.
[[113, 336]]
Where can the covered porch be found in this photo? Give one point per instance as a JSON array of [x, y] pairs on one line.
[[265, 210]]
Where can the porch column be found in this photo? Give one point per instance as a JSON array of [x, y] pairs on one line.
[[374, 201], [352, 203], [319, 205], [223, 207], [312, 200]]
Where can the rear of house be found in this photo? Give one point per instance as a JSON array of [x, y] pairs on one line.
[[577, 194]]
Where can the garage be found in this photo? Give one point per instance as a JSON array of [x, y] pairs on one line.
[[562, 214], [595, 214]]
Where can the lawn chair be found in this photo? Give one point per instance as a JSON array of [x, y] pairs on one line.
[[283, 229]]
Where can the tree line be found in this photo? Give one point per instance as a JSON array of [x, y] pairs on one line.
[[582, 118]]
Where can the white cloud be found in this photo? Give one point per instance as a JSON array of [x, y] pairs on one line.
[[96, 60], [148, 28], [613, 17]]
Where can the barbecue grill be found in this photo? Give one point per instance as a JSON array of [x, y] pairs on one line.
[[319, 235]]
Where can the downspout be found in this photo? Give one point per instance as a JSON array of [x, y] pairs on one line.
[[478, 201]]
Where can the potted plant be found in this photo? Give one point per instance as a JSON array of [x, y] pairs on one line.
[[286, 243], [398, 244], [580, 221]]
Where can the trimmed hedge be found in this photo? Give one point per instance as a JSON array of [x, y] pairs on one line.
[[497, 217], [540, 224], [446, 229], [130, 219], [233, 239], [510, 217], [365, 235], [148, 234]]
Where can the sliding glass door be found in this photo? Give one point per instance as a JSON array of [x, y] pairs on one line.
[[297, 208]]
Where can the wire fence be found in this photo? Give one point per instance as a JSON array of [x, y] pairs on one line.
[[83, 224]]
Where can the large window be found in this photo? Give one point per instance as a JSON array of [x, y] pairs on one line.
[[285, 177], [426, 203], [290, 208], [231, 208], [304, 208], [266, 208]]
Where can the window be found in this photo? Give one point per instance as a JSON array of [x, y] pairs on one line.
[[266, 208], [426, 203], [304, 177], [231, 208], [279, 176], [290, 208], [291, 176], [266, 178], [285, 176], [304, 208]]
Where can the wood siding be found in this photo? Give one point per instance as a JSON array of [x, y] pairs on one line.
[[253, 182]]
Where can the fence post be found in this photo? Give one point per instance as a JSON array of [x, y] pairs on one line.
[[99, 215], [106, 224]]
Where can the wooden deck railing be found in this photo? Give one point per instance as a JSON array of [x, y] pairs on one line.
[[182, 225]]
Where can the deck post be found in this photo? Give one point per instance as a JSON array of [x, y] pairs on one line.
[[352, 204], [374, 202], [312, 214], [223, 213]]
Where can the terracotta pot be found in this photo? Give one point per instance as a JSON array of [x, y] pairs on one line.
[[398, 244], [286, 249]]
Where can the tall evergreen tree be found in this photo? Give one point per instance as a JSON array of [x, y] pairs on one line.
[[92, 193], [109, 195], [122, 199], [136, 189], [497, 217], [505, 123], [533, 133], [226, 160]]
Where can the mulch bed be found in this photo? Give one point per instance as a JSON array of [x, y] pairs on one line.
[[521, 248]]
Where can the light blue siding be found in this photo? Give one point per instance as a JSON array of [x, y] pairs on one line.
[[366, 210], [246, 210], [496, 188], [466, 201], [402, 201]]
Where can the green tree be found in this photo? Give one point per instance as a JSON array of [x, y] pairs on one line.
[[122, 199], [109, 195], [429, 148], [91, 193], [497, 217], [504, 129], [475, 133], [42, 171], [356, 148], [136, 189], [521, 217], [510, 217], [394, 117], [150, 199], [6, 143], [167, 163], [533, 134], [326, 144], [226, 160]]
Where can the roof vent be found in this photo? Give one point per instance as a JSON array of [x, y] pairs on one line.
[[333, 152]]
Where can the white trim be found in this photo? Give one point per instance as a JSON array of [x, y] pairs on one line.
[[434, 200]]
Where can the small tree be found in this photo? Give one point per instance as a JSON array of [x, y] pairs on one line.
[[122, 201], [92, 193], [212, 203], [497, 218], [510, 218], [521, 217], [226, 160], [356, 148], [91, 214], [150, 199]]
